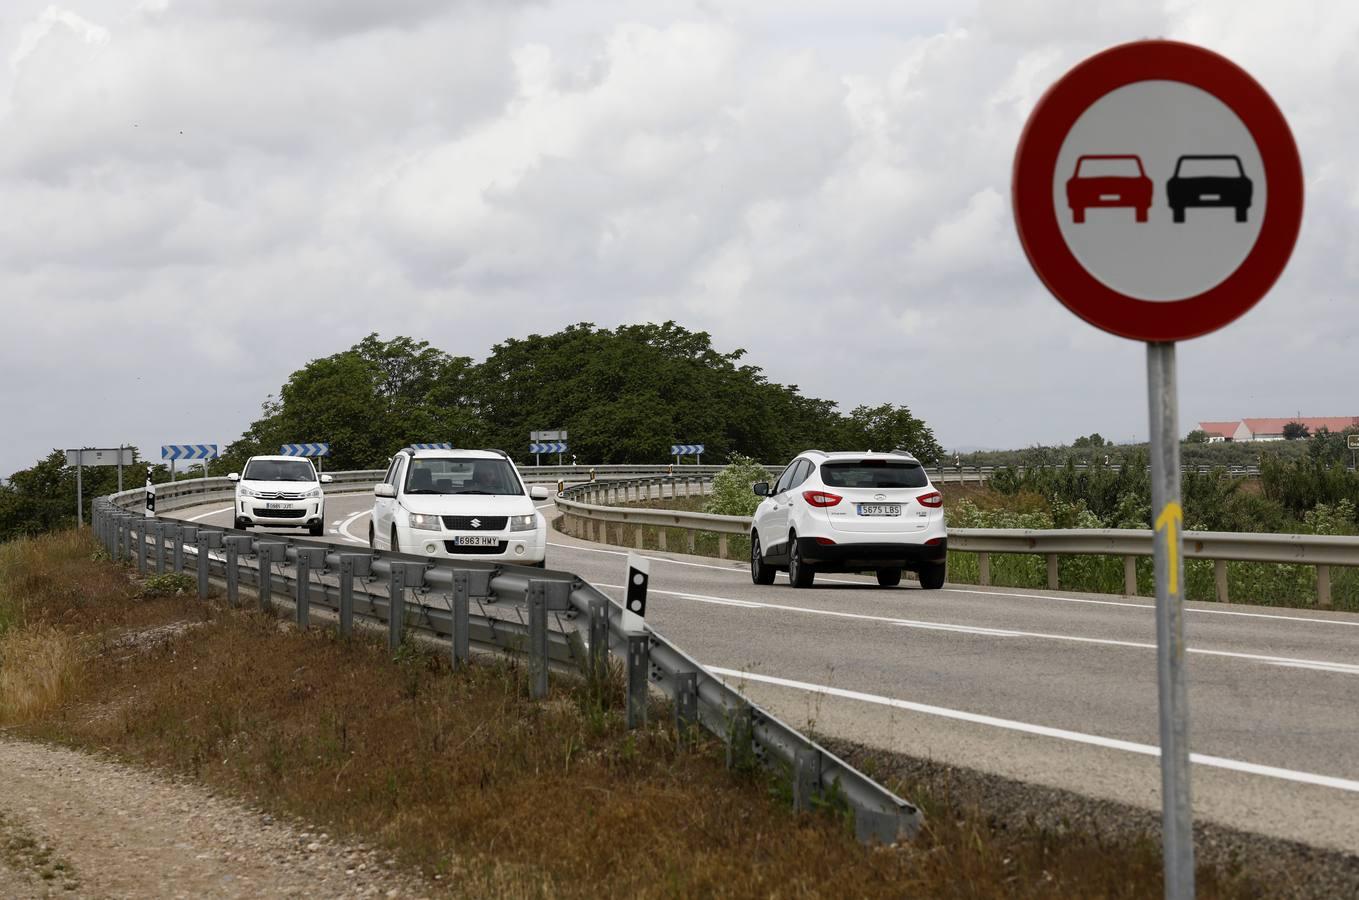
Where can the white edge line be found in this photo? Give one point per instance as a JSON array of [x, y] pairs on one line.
[[1217, 762], [215, 512], [344, 532]]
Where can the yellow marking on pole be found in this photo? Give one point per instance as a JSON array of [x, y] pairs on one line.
[[1171, 519]]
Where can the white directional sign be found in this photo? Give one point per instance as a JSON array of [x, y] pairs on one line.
[[118, 456]]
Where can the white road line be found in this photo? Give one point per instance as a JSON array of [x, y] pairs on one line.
[[1217, 762], [1321, 665], [215, 512], [344, 532], [1152, 607], [734, 569]]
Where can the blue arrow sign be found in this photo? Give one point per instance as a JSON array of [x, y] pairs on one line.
[[686, 449], [308, 450], [431, 446], [548, 447], [188, 451]]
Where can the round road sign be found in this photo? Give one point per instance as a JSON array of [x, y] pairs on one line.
[[1157, 190]]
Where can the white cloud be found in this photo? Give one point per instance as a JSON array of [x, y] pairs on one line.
[[203, 195]]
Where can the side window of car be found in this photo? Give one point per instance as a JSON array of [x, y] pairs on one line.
[[785, 478], [394, 477], [804, 470]]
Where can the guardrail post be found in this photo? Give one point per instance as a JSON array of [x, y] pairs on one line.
[[1130, 576], [1324, 587], [599, 639], [806, 777], [686, 706], [180, 533], [352, 565], [396, 606], [640, 535], [740, 737], [1052, 571], [1220, 579], [140, 525], [984, 568], [270, 552], [158, 534], [307, 558], [689, 542], [460, 639], [235, 543], [721, 546], [207, 541], [660, 537], [537, 604], [639, 666]]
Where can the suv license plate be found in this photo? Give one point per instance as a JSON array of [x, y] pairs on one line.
[[879, 509], [278, 506], [476, 540]]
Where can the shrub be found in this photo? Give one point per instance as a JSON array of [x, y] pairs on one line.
[[731, 494]]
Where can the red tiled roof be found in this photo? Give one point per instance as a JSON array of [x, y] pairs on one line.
[[1221, 429], [1313, 423]]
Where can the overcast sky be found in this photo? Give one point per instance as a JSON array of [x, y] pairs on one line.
[[199, 196]]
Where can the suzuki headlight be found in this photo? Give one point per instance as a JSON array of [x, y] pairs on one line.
[[312, 494], [523, 523], [424, 522]]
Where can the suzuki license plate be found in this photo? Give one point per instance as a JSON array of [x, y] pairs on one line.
[[879, 509], [476, 540]]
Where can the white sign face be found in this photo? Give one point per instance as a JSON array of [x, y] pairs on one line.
[[1159, 190], [539, 437], [99, 457]]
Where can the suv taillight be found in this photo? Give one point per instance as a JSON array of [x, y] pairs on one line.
[[821, 499], [933, 499]]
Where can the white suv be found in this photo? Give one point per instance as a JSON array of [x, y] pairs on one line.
[[461, 504], [280, 492], [850, 512]]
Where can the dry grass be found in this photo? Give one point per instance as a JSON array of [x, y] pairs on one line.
[[462, 774], [38, 666]]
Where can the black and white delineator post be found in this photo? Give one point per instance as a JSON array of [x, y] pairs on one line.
[[639, 574], [150, 495], [1204, 221], [639, 646]]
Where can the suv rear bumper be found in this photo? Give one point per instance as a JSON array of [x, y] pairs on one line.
[[857, 557]]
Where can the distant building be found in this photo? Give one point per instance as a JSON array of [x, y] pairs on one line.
[[1219, 431], [1272, 429]]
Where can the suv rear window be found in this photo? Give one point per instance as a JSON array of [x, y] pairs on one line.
[[873, 473], [453, 475]]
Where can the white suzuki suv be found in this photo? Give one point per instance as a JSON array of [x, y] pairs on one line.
[[280, 492], [850, 512], [460, 504]]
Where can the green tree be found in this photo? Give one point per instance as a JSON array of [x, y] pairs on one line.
[[1293, 431], [889, 427], [1197, 436]]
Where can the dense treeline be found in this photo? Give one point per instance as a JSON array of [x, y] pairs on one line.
[[625, 395]]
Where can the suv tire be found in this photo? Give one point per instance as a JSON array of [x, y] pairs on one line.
[[932, 575], [760, 572], [889, 577], [800, 574]]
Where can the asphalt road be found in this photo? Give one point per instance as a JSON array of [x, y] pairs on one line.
[[1048, 687]]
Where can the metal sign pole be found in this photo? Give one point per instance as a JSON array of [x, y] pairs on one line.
[[1176, 817], [120, 468], [172, 470], [80, 493]]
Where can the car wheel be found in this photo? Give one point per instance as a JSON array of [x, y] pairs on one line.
[[1241, 214], [396, 546], [800, 573], [932, 575], [889, 577], [1177, 213], [316, 529], [760, 572], [372, 537]]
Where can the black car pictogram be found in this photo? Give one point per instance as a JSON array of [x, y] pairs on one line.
[[1209, 181]]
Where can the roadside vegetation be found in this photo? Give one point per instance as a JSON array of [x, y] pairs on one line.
[[463, 776]]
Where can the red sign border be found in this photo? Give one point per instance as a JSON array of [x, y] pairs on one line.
[[1036, 214]]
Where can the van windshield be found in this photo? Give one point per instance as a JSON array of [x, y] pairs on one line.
[[460, 475], [873, 473]]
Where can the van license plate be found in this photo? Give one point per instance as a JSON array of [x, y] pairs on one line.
[[476, 540], [879, 509]]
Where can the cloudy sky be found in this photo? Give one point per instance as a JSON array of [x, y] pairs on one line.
[[201, 195]]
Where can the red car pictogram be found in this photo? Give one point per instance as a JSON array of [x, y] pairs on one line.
[[1108, 180]]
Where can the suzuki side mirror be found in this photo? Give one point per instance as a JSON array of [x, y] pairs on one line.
[[234, 476], [326, 479], [538, 493], [384, 490]]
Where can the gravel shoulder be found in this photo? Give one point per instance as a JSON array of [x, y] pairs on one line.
[[75, 825]]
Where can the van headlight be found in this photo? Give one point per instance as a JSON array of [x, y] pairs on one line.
[[524, 523], [423, 522]]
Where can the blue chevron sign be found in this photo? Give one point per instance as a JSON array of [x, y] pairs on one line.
[[431, 446], [686, 450], [188, 451], [311, 451], [548, 447]]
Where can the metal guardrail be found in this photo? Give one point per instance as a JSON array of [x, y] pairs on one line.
[[585, 507], [555, 619]]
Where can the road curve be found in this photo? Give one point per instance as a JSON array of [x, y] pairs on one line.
[[1053, 688]]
